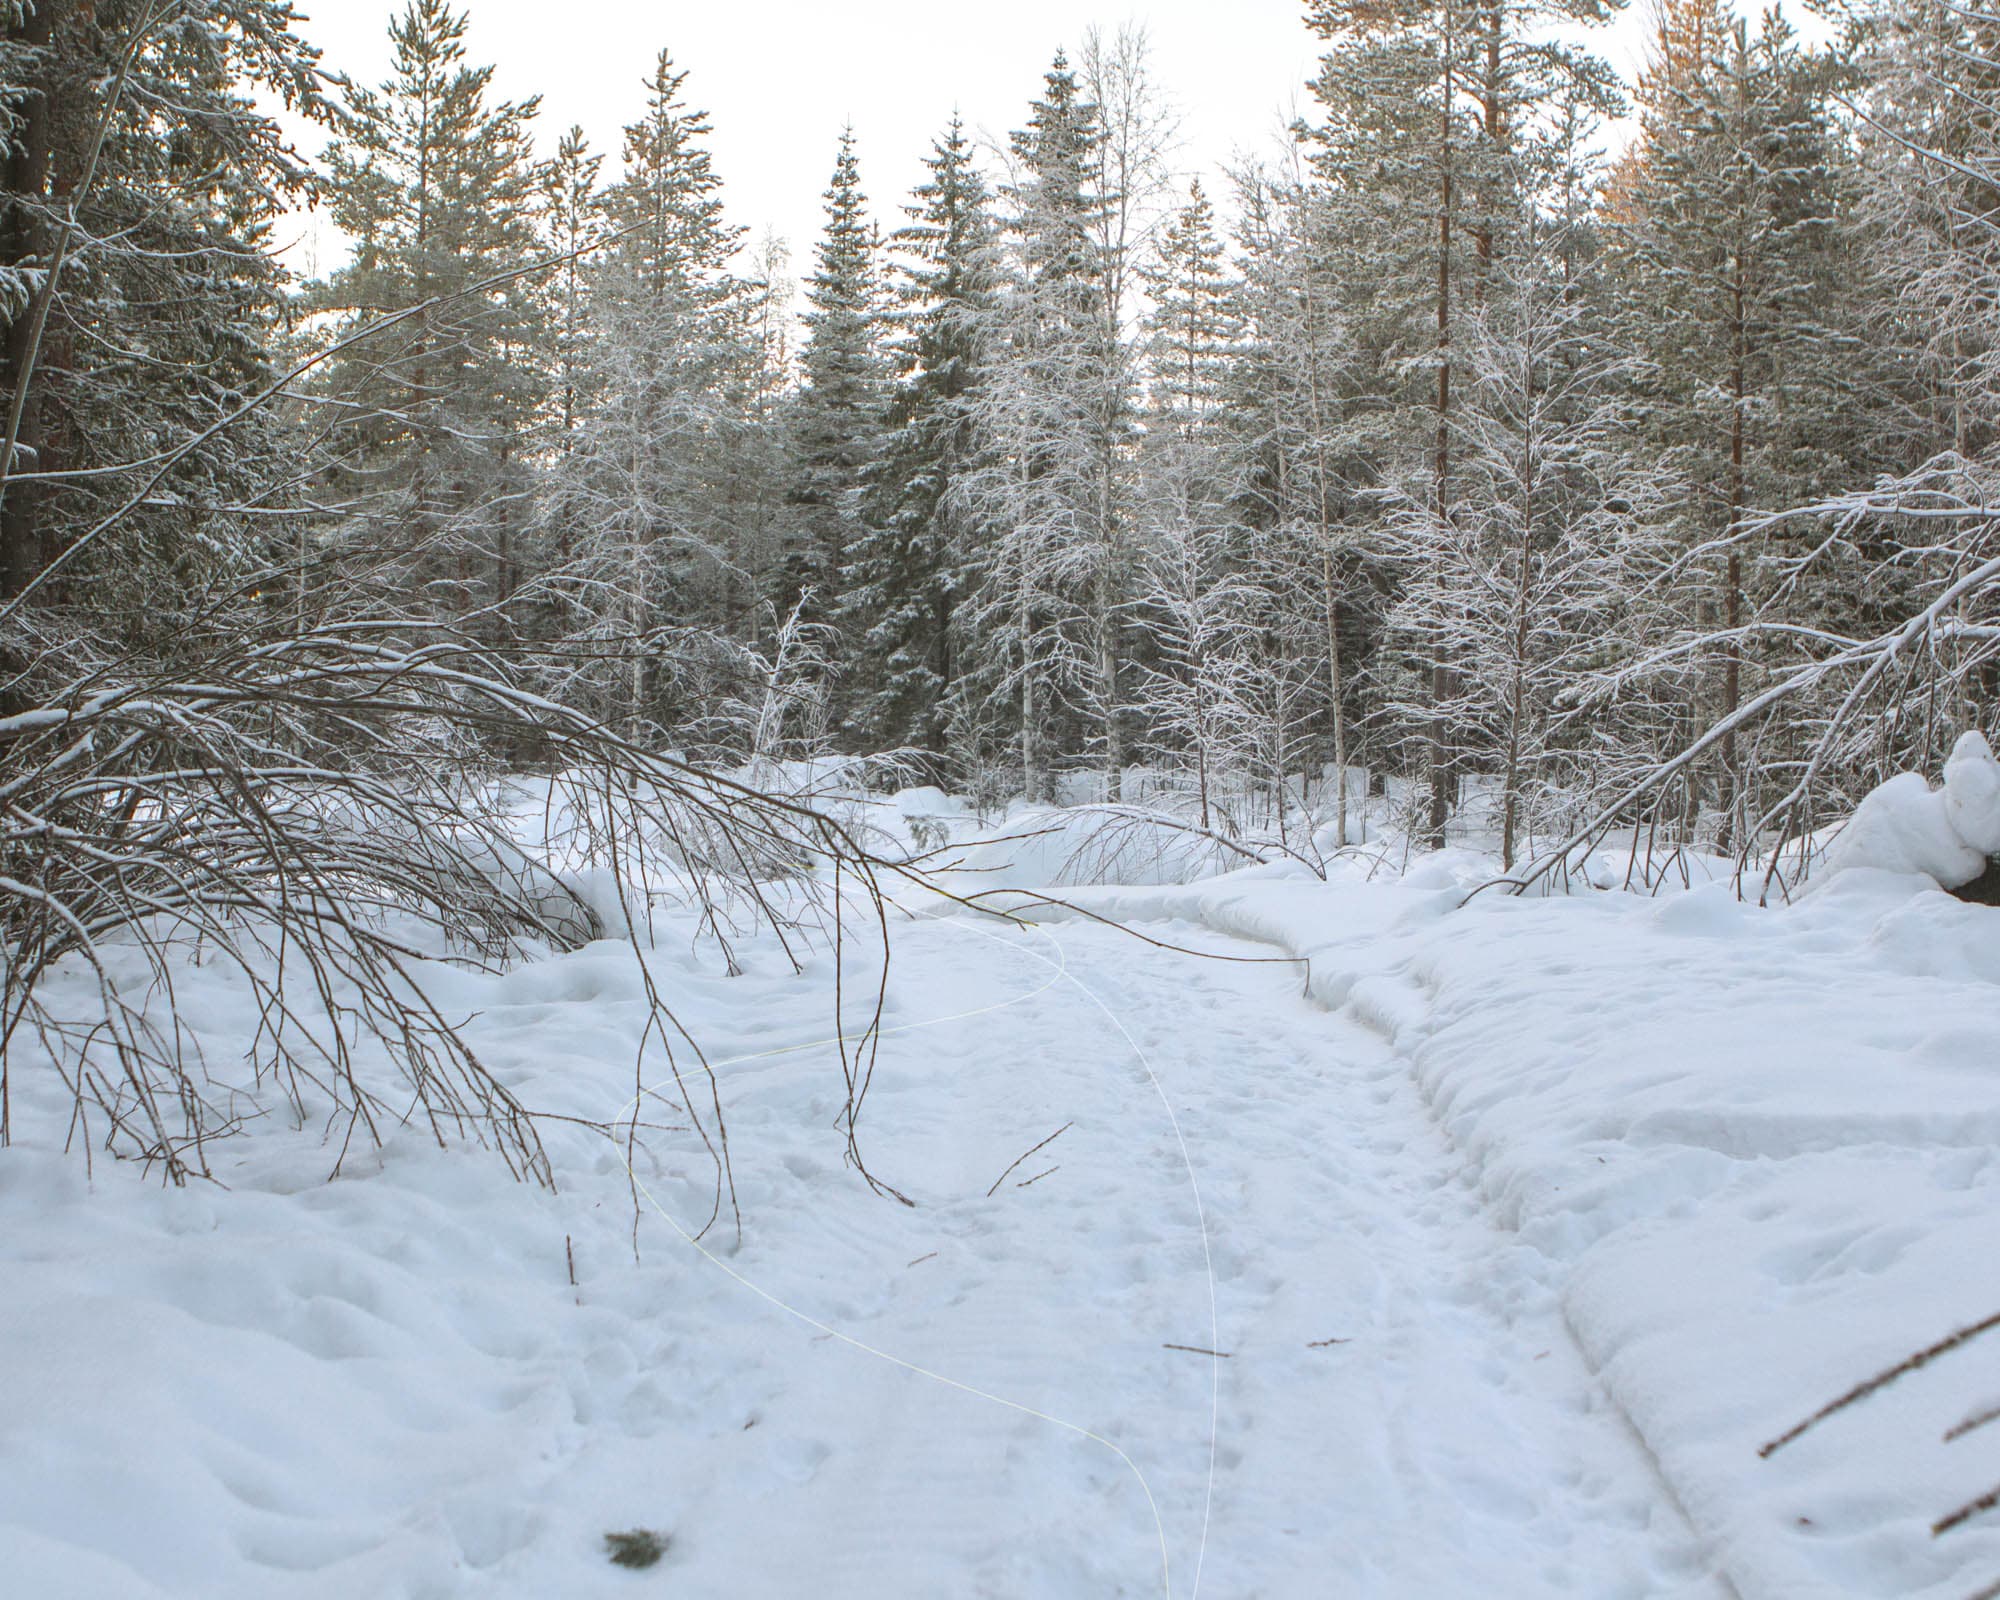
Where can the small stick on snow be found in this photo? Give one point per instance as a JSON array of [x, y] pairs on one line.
[[922, 1259], [1978, 1419], [1037, 1178], [1966, 1512], [1861, 1391], [1197, 1350], [1023, 1156], [1321, 1344], [569, 1250]]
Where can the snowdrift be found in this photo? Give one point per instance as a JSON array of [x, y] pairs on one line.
[[1948, 834], [1047, 847], [1755, 1145]]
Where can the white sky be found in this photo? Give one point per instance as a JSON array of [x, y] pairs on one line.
[[779, 78]]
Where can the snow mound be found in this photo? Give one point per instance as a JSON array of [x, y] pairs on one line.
[[1052, 847], [1906, 826], [927, 800]]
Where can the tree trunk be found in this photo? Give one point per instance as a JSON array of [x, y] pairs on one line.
[[24, 238], [1444, 680], [1732, 597], [1031, 778], [1517, 698], [1333, 689], [1328, 594]]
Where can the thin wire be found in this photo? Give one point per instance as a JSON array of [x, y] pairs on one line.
[[1060, 972]]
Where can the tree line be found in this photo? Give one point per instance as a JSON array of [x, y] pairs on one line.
[[1439, 443]]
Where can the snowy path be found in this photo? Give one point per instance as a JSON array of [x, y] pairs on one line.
[[1400, 1413], [387, 1384]]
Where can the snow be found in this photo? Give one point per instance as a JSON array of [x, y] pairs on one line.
[[1906, 826], [1755, 1148], [1056, 847], [1521, 1224]]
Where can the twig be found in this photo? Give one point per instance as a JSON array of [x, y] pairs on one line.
[[1037, 1178], [1861, 1391], [1978, 1419], [922, 1259], [1023, 1156], [1321, 1344], [1197, 1350], [1966, 1512]]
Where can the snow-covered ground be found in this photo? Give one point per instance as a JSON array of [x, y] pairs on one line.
[[1416, 1251]]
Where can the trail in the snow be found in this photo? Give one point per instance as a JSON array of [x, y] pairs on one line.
[[1401, 1411], [1405, 1413], [425, 1382]]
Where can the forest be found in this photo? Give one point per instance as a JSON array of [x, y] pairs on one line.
[[1537, 483], [1443, 445]]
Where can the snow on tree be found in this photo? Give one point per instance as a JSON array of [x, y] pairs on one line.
[[648, 499], [912, 565], [435, 184], [837, 416], [1731, 267], [142, 303]]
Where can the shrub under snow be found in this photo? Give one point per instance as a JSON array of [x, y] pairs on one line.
[[1905, 825]]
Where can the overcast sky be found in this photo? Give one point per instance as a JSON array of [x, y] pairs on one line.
[[780, 77]]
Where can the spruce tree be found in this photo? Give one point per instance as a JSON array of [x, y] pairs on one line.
[[839, 412], [1041, 425], [1192, 325], [139, 305], [572, 216], [664, 583], [919, 543]]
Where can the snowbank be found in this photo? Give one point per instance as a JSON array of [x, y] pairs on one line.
[[1043, 847], [1906, 826]]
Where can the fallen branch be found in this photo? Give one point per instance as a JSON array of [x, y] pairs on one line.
[[1023, 1156], [1967, 1512], [1978, 1419]]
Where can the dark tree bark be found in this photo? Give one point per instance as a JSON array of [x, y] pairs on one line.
[[25, 239]]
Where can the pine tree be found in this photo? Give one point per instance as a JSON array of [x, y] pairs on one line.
[[435, 184], [664, 584], [677, 248], [1731, 268], [1552, 525], [913, 565], [1929, 148], [1429, 141]]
